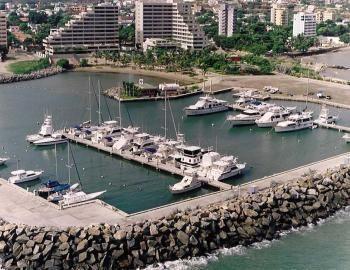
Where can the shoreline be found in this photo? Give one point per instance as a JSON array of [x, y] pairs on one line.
[[183, 79]]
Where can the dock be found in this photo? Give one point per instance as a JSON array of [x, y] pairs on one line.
[[334, 126], [155, 164], [22, 207]]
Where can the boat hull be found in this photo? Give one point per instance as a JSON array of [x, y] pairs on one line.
[[266, 124], [293, 128], [229, 174], [190, 112], [187, 189], [242, 122], [47, 143], [16, 180]]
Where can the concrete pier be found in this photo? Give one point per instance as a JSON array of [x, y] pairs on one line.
[[334, 126], [21, 207]]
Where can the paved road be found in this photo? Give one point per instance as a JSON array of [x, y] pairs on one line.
[[19, 206]]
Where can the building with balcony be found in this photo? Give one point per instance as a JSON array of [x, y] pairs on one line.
[[279, 14], [304, 24], [227, 19], [93, 30], [3, 30], [168, 19]]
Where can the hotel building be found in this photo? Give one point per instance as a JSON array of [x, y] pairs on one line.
[[227, 19], [304, 24], [3, 30]]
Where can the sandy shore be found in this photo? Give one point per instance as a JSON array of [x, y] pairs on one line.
[[183, 79], [13, 57], [287, 84]]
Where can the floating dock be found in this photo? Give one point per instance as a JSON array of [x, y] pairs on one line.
[[155, 164], [334, 126]]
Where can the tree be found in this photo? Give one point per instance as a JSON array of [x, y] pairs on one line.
[[63, 63], [127, 34], [13, 19], [37, 17], [302, 43], [84, 62], [43, 32], [345, 38]]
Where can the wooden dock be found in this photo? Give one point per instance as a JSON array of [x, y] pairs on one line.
[[155, 164], [334, 126]]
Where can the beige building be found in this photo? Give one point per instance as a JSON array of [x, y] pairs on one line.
[[279, 14], [3, 30], [93, 30], [227, 19], [322, 16], [168, 19]]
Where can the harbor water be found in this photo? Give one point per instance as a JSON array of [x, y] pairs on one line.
[[133, 187]]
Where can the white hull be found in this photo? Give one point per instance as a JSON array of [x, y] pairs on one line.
[[34, 137], [186, 189], [346, 138], [49, 142], [293, 128], [191, 112], [266, 124], [230, 174], [242, 122], [80, 196], [17, 180]]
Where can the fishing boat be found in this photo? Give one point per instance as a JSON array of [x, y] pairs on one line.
[[206, 105], [3, 161], [295, 122], [274, 116], [325, 117], [54, 139], [21, 176], [45, 131], [188, 183]]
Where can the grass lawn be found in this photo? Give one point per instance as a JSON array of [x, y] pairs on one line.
[[25, 67]]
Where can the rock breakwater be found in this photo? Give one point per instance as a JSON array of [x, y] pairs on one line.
[[31, 76], [239, 221]]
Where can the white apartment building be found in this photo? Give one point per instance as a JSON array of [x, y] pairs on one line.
[[168, 19], [279, 14], [93, 30], [227, 19], [304, 24], [3, 30]]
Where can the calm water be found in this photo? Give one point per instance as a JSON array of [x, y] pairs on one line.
[[132, 187]]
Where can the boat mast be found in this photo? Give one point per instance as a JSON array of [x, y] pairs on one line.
[[307, 88], [99, 103], [56, 162], [120, 111], [165, 127], [90, 105], [68, 162], [211, 85]]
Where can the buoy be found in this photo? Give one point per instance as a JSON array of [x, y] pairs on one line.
[[212, 124]]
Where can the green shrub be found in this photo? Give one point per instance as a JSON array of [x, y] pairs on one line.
[[26, 67], [63, 63]]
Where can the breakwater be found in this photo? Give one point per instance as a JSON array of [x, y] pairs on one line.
[[31, 76], [240, 221]]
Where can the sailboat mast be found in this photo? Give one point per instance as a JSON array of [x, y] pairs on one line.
[[120, 111], [99, 103], [90, 103], [56, 171], [68, 162], [165, 127], [211, 85], [307, 87]]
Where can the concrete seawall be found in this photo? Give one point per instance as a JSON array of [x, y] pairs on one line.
[[241, 220]]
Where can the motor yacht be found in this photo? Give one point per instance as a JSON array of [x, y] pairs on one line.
[[248, 117], [243, 103], [21, 176], [274, 115], [217, 168], [45, 131], [325, 117], [55, 138], [188, 183], [126, 138], [295, 122], [188, 156], [207, 105], [142, 142]]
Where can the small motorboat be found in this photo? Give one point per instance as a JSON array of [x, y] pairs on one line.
[[189, 182], [346, 137], [21, 176], [55, 138], [3, 161]]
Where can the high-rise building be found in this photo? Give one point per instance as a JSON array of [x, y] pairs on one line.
[[3, 30], [304, 24], [279, 14], [328, 15], [168, 19], [227, 19], [93, 30]]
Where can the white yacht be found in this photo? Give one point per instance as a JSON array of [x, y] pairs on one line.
[[45, 131], [80, 196], [21, 176], [248, 117], [189, 182], [295, 122], [3, 160], [346, 137], [142, 142], [273, 116], [325, 117], [217, 168], [207, 105], [126, 138], [242, 103], [55, 138]]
